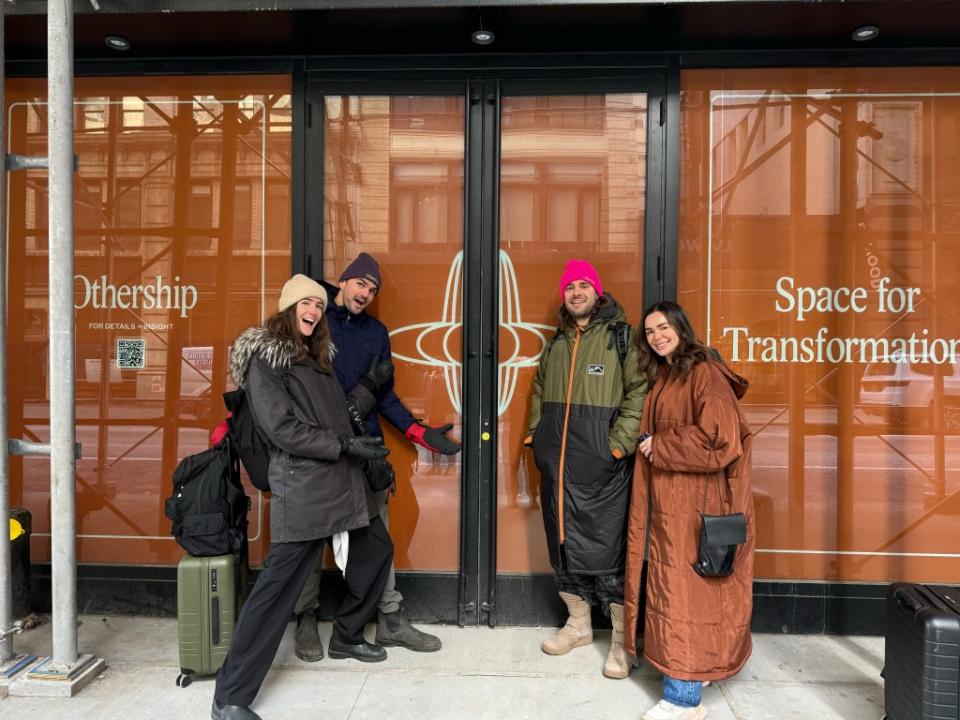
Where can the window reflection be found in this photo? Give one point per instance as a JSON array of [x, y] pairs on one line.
[[832, 182], [169, 195], [393, 187], [572, 184]]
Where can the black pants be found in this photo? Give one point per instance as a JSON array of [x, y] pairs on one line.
[[266, 612]]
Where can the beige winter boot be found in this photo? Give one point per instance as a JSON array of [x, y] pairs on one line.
[[617, 665], [577, 632]]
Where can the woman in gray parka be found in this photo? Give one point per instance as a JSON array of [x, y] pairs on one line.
[[318, 491]]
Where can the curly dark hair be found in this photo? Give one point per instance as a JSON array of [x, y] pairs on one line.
[[283, 324], [689, 352]]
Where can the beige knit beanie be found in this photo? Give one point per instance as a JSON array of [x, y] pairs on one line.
[[299, 287]]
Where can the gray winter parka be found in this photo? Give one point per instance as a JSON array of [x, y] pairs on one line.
[[301, 410]]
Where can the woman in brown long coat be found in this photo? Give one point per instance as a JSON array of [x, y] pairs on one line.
[[695, 628]]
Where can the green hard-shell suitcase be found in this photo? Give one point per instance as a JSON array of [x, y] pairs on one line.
[[208, 601]]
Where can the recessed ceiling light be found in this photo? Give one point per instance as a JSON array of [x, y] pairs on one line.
[[865, 33], [117, 42], [482, 37]]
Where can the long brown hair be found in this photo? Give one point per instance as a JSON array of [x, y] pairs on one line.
[[689, 352], [283, 324]]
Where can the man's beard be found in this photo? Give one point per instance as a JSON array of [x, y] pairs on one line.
[[584, 311]]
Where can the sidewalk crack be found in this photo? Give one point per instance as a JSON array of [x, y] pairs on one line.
[[366, 676]]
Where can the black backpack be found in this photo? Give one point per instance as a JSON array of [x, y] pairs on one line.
[[252, 447], [208, 507]]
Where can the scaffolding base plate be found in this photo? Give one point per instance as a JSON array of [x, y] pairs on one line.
[[9, 669], [44, 679]]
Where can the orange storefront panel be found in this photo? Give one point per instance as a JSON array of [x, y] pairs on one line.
[[182, 237], [819, 241]]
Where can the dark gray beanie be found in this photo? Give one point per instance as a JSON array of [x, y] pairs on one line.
[[363, 267]]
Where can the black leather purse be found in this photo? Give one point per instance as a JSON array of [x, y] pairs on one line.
[[379, 473], [719, 537]]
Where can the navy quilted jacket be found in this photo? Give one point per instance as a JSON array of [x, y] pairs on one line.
[[357, 339]]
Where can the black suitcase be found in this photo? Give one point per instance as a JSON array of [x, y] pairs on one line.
[[922, 652]]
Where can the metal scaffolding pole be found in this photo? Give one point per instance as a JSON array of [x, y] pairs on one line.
[[64, 672], [6, 568], [63, 518]]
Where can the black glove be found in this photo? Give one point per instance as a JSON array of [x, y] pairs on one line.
[[365, 447], [433, 438], [378, 374]]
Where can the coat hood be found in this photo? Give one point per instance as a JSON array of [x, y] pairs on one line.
[[276, 351], [332, 289], [738, 383], [610, 311]]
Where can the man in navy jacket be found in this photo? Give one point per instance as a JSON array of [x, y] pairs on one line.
[[359, 338]]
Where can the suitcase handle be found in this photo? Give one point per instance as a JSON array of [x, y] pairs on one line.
[[906, 601]]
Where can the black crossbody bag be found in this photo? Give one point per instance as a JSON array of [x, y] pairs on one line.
[[719, 537]]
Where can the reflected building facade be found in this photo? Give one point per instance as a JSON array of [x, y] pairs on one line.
[[802, 204]]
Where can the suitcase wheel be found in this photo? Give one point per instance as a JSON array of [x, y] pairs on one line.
[[184, 680]]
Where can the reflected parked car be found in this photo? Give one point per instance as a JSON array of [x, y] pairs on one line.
[[903, 392]]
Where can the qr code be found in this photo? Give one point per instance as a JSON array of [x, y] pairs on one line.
[[131, 353]]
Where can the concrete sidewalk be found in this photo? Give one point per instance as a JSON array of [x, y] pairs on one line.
[[479, 674]]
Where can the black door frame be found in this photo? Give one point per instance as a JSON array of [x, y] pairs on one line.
[[477, 582]]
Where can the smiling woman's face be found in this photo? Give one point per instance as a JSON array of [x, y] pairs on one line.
[[309, 315], [661, 336]]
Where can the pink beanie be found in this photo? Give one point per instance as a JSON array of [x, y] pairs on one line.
[[580, 270]]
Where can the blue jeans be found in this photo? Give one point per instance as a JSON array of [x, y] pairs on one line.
[[685, 693]]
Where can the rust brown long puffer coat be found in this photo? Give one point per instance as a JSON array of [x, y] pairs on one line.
[[696, 628]]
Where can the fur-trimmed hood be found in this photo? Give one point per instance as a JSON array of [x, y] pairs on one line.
[[276, 351]]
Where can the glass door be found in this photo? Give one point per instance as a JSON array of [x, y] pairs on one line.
[[473, 194], [393, 188], [573, 183]]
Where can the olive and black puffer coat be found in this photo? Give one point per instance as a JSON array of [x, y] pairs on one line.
[[585, 407], [301, 409]]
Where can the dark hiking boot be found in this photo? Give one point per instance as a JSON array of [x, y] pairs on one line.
[[307, 638], [394, 629]]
